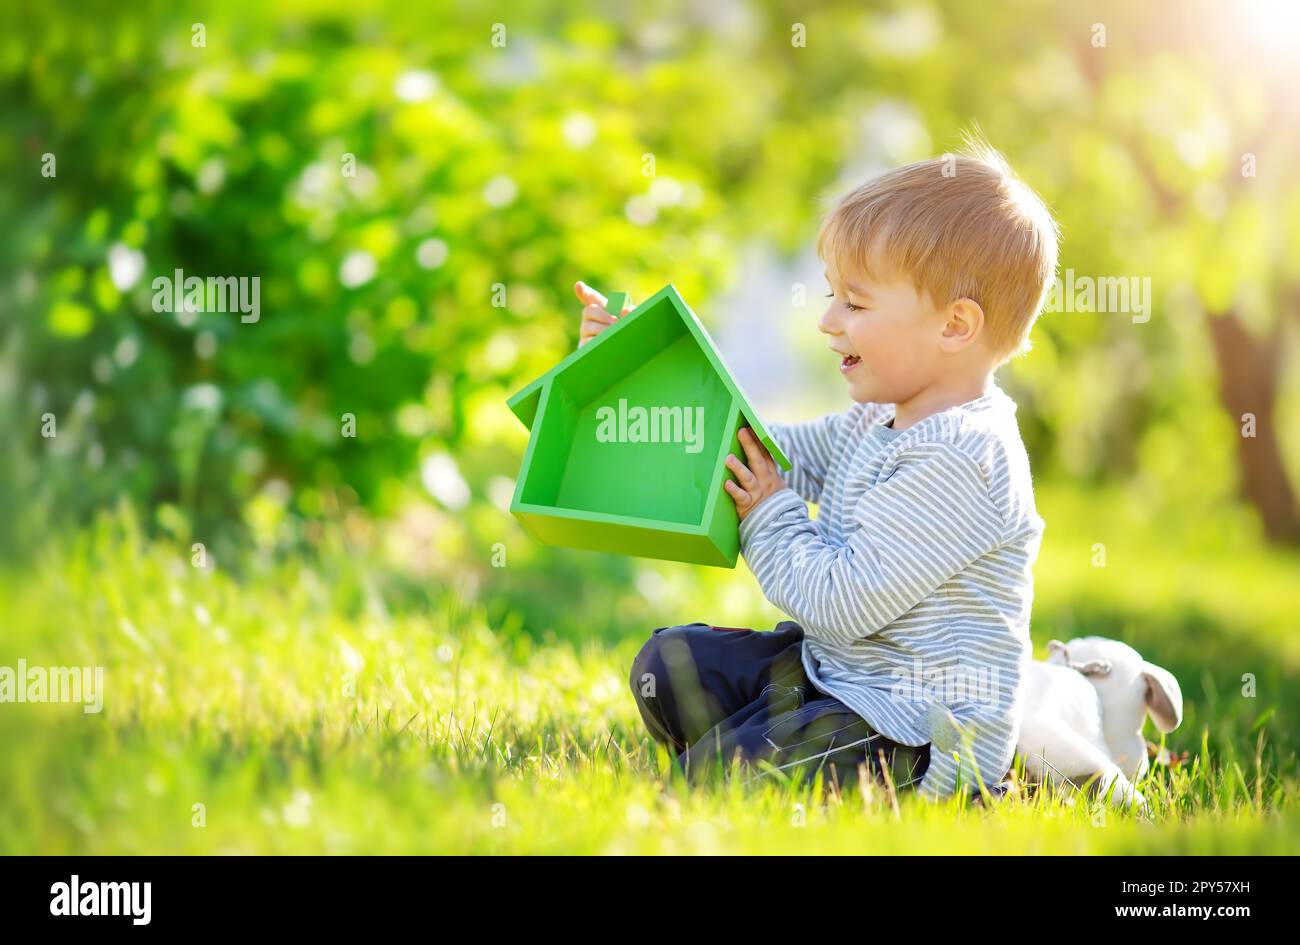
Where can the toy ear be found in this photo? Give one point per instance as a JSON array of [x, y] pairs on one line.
[[1057, 652], [1093, 668], [1164, 698]]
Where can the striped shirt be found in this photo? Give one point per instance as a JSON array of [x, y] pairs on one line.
[[914, 584]]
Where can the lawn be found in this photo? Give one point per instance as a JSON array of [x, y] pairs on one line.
[[330, 701]]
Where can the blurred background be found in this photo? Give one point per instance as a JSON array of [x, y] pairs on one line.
[[417, 186]]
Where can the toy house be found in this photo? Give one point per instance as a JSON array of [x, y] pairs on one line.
[[629, 438]]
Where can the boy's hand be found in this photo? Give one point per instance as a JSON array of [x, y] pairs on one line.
[[756, 481], [594, 317]]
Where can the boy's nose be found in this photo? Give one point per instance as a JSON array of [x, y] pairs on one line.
[[828, 324]]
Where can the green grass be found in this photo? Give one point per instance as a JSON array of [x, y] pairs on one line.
[[336, 701]]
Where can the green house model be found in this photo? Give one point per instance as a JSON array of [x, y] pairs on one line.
[[630, 434]]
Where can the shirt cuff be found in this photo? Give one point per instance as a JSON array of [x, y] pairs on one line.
[[767, 512]]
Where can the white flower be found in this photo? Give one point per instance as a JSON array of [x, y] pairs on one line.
[[358, 268], [579, 130], [125, 265], [415, 85], [431, 253], [443, 480], [297, 813], [500, 191], [641, 210]]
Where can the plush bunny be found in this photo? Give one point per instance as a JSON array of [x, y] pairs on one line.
[[1085, 706]]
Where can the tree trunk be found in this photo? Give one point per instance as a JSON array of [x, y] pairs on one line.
[[1248, 380]]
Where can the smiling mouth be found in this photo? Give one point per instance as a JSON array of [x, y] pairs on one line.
[[849, 362]]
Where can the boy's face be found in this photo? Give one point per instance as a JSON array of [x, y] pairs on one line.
[[886, 334]]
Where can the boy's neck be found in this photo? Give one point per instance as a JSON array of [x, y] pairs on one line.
[[938, 397]]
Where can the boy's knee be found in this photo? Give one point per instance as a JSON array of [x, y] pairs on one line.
[[650, 668]]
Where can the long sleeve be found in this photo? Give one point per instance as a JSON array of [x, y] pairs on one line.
[[810, 447], [907, 536]]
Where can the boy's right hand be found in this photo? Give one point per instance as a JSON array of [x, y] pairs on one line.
[[594, 317]]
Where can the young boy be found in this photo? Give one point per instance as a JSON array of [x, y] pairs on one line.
[[910, 592]]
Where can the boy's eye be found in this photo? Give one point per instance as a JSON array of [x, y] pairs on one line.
[[849, 305]]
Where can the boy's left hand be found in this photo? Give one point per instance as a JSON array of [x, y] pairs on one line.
[[754, 482]]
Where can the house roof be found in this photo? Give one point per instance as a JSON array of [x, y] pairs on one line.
[[524, 403]]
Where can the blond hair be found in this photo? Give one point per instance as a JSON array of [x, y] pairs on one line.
[[961, 226]]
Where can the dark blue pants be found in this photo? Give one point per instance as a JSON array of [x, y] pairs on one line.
[[713, 694]]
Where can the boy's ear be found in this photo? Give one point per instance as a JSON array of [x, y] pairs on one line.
[[964, 323]]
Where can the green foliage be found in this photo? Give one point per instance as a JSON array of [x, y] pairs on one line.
[[523, 165], [233, 159]]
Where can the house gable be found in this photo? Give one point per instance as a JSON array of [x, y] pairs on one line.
[[627, 335]]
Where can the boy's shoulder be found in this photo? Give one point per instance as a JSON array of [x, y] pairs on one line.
[[978, 428], [986, 431], [846, 425]]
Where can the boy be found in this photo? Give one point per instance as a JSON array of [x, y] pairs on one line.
[[910, 593]]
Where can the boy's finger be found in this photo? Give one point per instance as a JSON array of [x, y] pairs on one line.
[[743, 472], [590, 327], [588, 296], [737, 493], [589, 330], [755, 452], [768, 461], [594, 313]]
